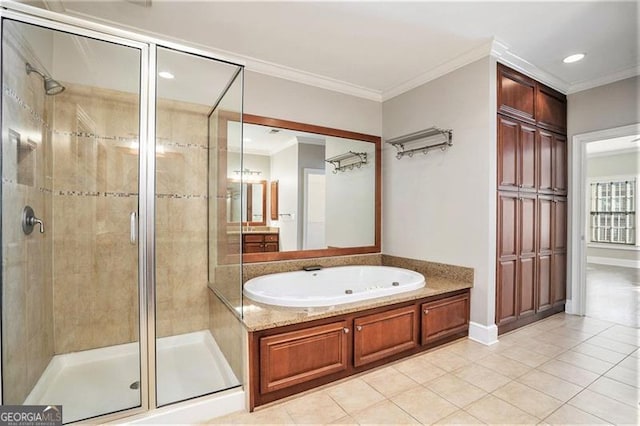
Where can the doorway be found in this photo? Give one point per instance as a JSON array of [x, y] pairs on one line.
[[606, 251]]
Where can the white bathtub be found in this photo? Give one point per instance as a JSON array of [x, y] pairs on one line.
[[331, 286]]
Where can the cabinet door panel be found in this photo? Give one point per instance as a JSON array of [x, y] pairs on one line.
[[551, 109], [516, 94], [507, 224], [253, 248], [560, 224], [381, 335], [545, 162], [559, 165], [526, 273], [559, 277], [527, 225], [528, 161], [508, 153], [444, 318], [545, 221], [506, 291], [544, 282], [291, 358]]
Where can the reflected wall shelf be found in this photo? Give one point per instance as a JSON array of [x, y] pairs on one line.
[[348, 160], [422, 141]]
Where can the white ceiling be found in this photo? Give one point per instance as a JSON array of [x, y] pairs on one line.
[[379, 49], [260, 140], [624, 143]]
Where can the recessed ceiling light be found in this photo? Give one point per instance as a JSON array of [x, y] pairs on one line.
[[166, 74], [573, 58], [246, 139]]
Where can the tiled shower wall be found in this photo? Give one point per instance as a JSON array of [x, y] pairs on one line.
[[95, 183], [96, 189], [27, 315], [181, 215]]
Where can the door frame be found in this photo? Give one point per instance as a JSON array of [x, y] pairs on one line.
[[305, 228], [577, 249]]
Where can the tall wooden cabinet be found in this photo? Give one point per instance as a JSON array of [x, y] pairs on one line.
[[532, 190]]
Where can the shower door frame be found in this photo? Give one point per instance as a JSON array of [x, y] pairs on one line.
[[146, 174]]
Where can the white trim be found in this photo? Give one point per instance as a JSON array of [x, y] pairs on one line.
[[607, 79], [577, 209], [485, 334], [442, 69], [197, 411], [568, 307], [496, 48], [308, 78], [504, 55], [613, 246], [625, 263], [252, 64]]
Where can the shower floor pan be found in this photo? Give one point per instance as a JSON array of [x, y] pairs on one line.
[[101, 381]]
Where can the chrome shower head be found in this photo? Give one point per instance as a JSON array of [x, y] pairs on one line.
[[51, 86]]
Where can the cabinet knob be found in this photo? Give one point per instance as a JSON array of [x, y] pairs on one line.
[[359, 327], [426, 311], [345, 330]]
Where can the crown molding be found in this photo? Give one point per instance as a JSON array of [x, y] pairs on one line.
[[250, 63], [311, 79], [458, 62], [504, 55], [607, 79]]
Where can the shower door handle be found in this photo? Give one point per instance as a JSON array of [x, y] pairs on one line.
[[133, 219]]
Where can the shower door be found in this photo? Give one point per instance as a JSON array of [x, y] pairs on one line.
[[71, 125]]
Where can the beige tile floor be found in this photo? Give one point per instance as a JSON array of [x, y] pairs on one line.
[[562, 370]]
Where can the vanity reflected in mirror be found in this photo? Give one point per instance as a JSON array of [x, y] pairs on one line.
[[307, 191]]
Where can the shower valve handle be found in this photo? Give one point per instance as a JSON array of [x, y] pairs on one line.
[[29, 220]]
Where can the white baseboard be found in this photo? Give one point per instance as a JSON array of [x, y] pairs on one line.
[[626, 263], [193, 412], [568, 307], [485, 334]]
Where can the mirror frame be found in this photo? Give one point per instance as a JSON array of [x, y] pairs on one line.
[[310, 128]]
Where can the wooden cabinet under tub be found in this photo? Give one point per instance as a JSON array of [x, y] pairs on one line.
[[290, 359]]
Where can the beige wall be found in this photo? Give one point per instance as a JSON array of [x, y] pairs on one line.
[[27, 318], [604, 107], [278, 98], [441, 207]]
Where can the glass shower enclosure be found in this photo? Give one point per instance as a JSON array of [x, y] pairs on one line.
[[109, 168]]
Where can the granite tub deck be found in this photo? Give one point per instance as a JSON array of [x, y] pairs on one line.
[[441, 279]]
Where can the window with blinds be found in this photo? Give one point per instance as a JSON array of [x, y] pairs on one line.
[[613, 212]]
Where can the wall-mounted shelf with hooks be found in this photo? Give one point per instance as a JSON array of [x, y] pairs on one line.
[[348, 160], [426, 137]]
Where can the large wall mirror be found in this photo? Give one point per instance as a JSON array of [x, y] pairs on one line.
[[303, 191]]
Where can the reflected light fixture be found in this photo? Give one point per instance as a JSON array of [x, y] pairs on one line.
[[166, 74], [573, 58]]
